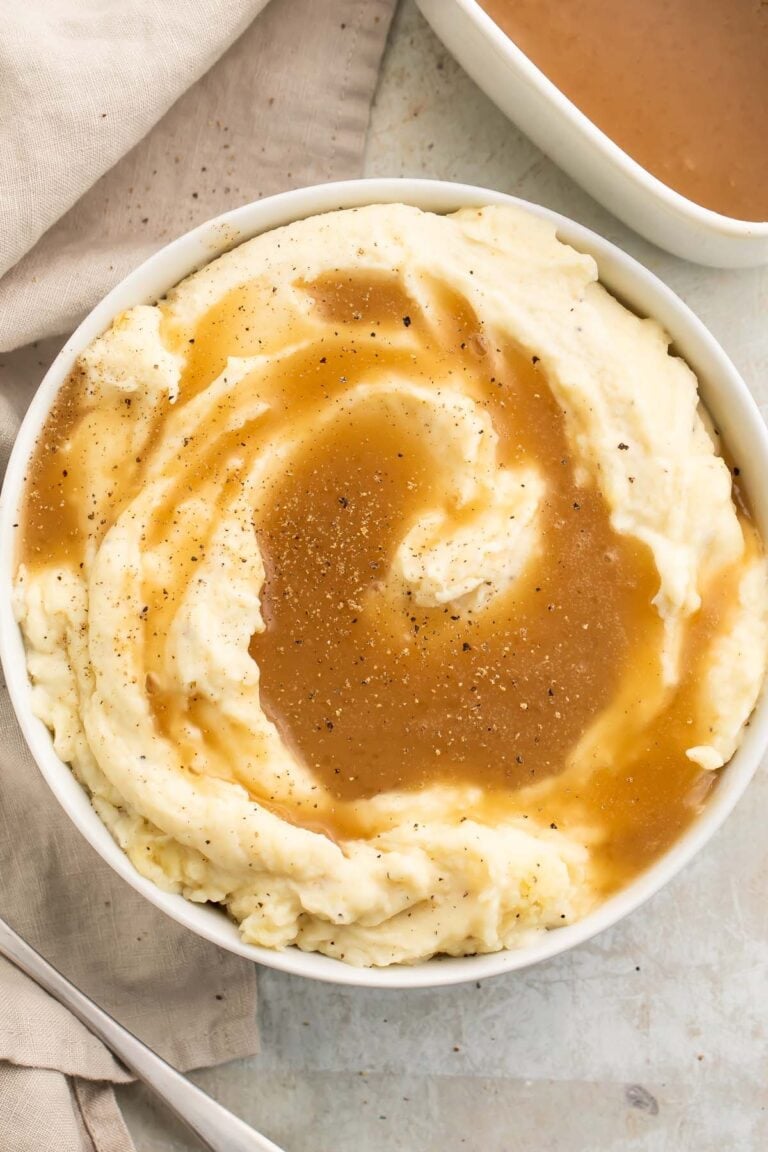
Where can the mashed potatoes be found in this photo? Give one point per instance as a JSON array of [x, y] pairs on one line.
[[384, 585]]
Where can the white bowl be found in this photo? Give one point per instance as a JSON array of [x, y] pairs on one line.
[[627, 189], [726, 396]]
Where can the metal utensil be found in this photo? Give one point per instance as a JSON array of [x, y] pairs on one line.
[[215, 1127]]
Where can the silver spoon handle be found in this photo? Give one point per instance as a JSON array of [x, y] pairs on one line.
[[215, 1127]]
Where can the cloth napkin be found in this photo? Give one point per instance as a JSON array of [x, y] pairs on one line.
[[121, 126]]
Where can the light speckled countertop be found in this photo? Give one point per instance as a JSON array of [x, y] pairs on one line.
[[652, 1038]]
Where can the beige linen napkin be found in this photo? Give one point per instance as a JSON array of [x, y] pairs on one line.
[[81, 83]]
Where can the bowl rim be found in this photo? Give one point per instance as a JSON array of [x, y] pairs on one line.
[[733, 407], [730, 226]]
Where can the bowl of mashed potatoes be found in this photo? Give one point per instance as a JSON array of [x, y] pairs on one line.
[[383, 584]]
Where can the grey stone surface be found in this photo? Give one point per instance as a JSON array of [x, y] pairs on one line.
[[651, 1038]]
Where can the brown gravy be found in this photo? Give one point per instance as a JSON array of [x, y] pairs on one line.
[[372, 692], [681, 86]]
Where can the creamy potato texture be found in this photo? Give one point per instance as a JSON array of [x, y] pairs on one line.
[[384, 583]]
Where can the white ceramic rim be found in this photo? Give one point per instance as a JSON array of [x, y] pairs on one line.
[[725, 393], [504, 46]]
